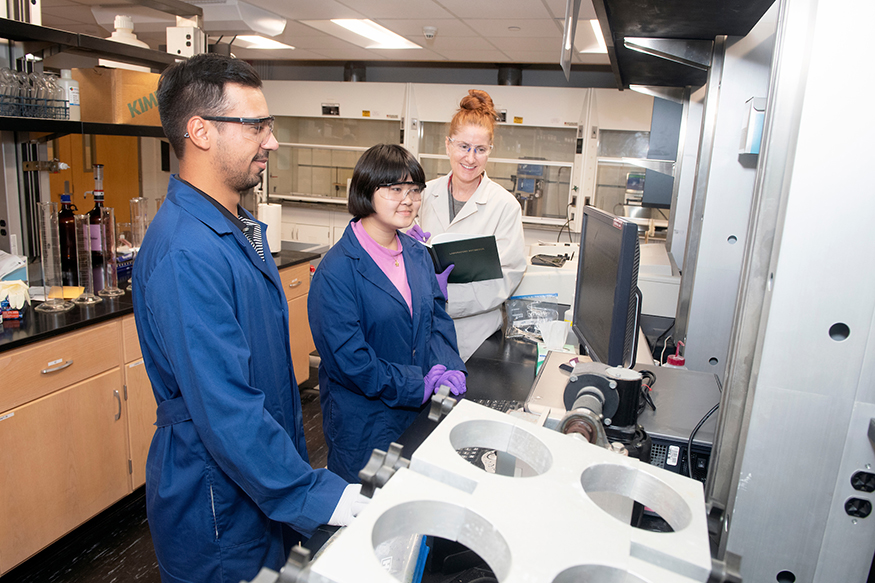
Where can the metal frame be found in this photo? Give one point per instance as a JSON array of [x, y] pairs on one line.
[[801, 382], [700, 188]]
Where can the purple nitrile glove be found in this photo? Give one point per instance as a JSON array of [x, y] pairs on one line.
[[417, 233], [455, 380], [431, 380], [443, 278]]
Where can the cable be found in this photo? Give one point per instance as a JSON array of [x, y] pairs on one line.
[[666, 331], [693, 434], [664, 346], [645, 390], [567, 224]]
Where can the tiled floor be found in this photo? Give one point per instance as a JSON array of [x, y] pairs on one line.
[[116, 546]]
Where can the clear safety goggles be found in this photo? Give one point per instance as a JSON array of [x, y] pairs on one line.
[[464, 148], [398, 191]]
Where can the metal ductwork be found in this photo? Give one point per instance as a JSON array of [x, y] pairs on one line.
[[219, 17]]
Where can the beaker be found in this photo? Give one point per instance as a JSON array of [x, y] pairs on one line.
[[83, 253], [139, 222], [50, 255], [110, 260]]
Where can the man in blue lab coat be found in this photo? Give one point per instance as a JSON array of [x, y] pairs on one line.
[[229, 488]]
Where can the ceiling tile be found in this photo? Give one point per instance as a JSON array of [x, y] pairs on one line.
[[352, 53], [447, 27], [399, 8], [301, 10], [527, 27], [528, 44], [501, 8], [462, 56], [467, 31]]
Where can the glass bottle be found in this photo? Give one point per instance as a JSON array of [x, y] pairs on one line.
[[67, 229], [96, 228]]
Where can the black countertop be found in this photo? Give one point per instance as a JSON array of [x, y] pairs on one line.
[[502, 368], [37, 326]]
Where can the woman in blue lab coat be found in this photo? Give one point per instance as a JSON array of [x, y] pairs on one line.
[[378, 316]]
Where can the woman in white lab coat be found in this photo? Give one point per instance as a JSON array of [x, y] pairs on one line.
[[468, 202]]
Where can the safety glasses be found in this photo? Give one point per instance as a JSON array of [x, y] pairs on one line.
[[398, 191], [464, 148], [255, 129]]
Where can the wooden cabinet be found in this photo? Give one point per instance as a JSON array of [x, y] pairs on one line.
[[76, 415], [34, 371], [139, 403], [63, 459], [296, 284]]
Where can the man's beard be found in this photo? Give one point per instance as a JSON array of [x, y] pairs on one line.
[[242, 182]]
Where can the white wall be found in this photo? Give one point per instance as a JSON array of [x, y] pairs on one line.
[[154, 180]]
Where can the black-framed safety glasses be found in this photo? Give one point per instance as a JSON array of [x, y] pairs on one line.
[[257, 129], [396, 191]]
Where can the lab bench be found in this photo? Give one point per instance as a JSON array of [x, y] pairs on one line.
[[77, 411]]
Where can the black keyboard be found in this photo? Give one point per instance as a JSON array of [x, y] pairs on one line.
[[503, 405], [484, 457]]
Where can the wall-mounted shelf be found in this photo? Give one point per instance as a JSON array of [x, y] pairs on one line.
[[51, 41], [52, 128]]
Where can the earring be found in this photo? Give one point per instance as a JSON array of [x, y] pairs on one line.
[[185, 135]]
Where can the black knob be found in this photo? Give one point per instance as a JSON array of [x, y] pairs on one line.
[[858, 507]]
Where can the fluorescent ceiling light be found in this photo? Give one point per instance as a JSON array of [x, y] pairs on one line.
[[259, 42], [383, 37], [597, 30], [591, 42]]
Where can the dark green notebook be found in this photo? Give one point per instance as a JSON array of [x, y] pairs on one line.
[[475, 259]]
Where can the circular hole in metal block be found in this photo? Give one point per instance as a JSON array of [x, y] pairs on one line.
[[600, 573], [635, 486], [519, 453], [448, 521], [839, 331]]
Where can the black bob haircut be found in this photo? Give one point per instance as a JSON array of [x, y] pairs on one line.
[[380, 164], [197, 87]]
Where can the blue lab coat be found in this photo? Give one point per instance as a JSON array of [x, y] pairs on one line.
[[374, 354], [227, 477]]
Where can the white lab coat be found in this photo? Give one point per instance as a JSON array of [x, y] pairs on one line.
[[476, 307]]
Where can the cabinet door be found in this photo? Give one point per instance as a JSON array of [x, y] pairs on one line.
[[63, 459], [142, 414], [300, 338], [316, 234]]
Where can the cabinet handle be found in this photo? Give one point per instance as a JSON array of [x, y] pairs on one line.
[[119, 401], [295, 282], [56, 368]]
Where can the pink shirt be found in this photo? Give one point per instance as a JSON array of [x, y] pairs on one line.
[[389, 261]]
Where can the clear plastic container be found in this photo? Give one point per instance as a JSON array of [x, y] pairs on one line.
[[71, 93]]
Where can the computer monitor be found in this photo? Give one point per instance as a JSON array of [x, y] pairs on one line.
[[607, 302]]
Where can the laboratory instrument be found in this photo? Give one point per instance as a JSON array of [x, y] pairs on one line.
[[50, 255], [84, 254], [95, 229], [67, 232], [438, 493], [110, 263]]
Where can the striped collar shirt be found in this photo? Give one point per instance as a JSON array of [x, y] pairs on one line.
[[250, 229]]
